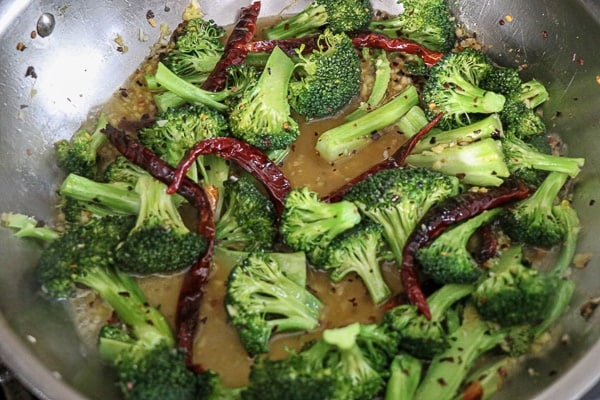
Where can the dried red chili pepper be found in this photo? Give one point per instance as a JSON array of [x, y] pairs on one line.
[[289, 46], [236, 50], [440, 217], [381, 41], [194, 284], [247, 156]]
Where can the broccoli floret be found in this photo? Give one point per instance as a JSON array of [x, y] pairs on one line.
[[533, 93], [79, 154], [481, 163], [309, 224], [520, 121], [427, 22], [159, 242], [382, 69], [356, 250], [505, 81], [422, 337], [447, 258], [350, 137], [261, 300], [249, 220], [337, 366], [520, 154], [177, 130], [328, 78], [532, 221], [397, 199], [262, 115], [25, 226], [453, 89], [197, 49], [531, 176], [513, 293], [468, 343], [405, 375], [337, 15]]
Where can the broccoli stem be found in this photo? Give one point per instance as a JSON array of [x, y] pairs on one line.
[[481, 163], [302, 24], [559, 301], [449, 368], [412, 122], [383, 71], [533, 93], [487, 381], [405, 375], [26, 226], [488, 127], [157, 205], [351, 136], [187, 91], [570, 220], [116, 197], [443, 298], [522, 155], [123, 294]]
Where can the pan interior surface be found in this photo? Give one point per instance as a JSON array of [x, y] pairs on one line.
[[78, 67]]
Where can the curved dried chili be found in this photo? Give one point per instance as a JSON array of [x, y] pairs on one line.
[[440, 217], [247, 156], [235, 51]]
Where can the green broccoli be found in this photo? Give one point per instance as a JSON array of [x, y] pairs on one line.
[[197, 48], [114, 198], [177, 130], [405, 375], [412, 122], [520, 121], [427, 22], [79, 154], [159, 242], [337, 15], [453, 89], [25, 226], [488, 127], [261, 300], [350, 137], [309, 224], [512, 293], [533, 93], [475, 337], [480, 163], [327, 79], [249, 220], [505, 81], [171, 90], [356, 250], [262, 116], [520, 154], [339, 366], [532, 220], [419, 336], [447, 258], [397, 199], [533, 177], [383, 75], [487, 380]]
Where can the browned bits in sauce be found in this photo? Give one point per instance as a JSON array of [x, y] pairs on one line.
[[21, 46], [30, 72]]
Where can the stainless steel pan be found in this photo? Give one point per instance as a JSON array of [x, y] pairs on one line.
[[78, 66]]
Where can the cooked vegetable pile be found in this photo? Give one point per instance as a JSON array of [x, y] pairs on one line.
[[459, 210]]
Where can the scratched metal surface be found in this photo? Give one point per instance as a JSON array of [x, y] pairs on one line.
[[78, 67]]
